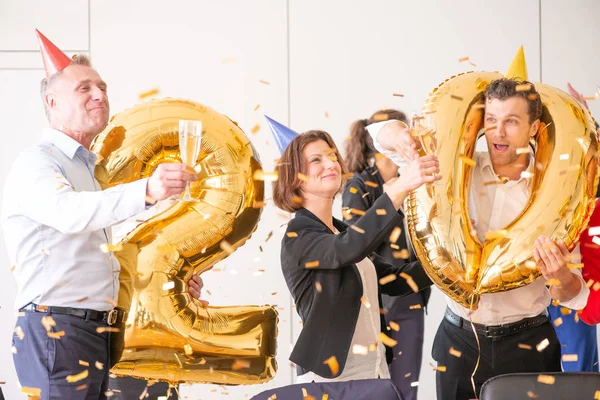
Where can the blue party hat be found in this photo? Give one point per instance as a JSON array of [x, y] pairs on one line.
[[282, 134]]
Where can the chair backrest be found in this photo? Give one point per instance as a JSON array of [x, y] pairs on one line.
[[555, 386], [364, 389]]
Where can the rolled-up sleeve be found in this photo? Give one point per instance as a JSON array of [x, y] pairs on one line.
[[580, 300], [374, 130]]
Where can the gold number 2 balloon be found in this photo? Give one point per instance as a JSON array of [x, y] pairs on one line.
[[169, 336], [562, 195]]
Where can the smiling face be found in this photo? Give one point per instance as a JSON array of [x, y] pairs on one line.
[[323, 170], [507, 128], [78, 101]]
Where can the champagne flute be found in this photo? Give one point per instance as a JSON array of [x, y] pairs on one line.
[[423, 127], [190, 137]]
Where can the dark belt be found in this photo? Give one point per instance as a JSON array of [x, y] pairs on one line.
[[114, 316], [496, 331]]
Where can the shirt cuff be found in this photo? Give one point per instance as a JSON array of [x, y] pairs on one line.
[[135, 193], [374, 130], [580, 300]]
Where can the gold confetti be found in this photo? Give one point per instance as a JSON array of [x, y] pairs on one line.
[[453, 97], [77, 377], [332, 362], [359, 349], [107, 247], [532, 96], [12, 268], [547, 379], [187, 348], [467, 160], [371, 184], [381, 211], [81, 387], [356, 211], [353, 190], [19, 332], [31, 391], [542, 345], [415, 307], [291, 234], [532, 395], [596, 240], [302, 177], [84, 363], [552, 282], [410, 281], [569, 357], [463, 59], [226, 247], [99, 365], [48, 322], [530, 264], [264, 82], [318, 287], [596, 286], [394, 326], [524, 150], [102, 329], [365, 302], [255, 128], [396, 95], [523, 87], [407, 375], [148, 93], [260, 175], [401, 254], [597, 395], [441, 368], [558, 321], [565, 311], [455, 352], [311, 264], [348, 175], [240, 364], [297, 199], [357, 229], [326, 114], [168, 285], [395, 234], [380, 117], [525, 346], [386, 340], [589, 283], [387, 279], [575, 266], [269, 236], [526, 174]]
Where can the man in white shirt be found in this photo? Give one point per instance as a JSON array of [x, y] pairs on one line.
[[56, 221], [509, 324]]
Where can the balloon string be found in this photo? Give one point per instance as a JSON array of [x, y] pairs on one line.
[[478, 355]]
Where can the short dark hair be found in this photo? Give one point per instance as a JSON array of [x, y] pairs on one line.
[[504, 88], [287, 194]]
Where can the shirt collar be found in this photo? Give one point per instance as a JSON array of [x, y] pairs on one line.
[[487, 168], [64, 143]]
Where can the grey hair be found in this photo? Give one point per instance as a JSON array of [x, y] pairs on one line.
[[78, 59]]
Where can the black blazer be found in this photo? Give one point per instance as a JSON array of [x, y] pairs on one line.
[[360, 196], [312, 253]]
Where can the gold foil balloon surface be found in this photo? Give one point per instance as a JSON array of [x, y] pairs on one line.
[[169, 336], [561, 200]]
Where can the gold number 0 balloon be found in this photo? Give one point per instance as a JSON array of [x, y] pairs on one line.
[[168, 335], [562, 195]]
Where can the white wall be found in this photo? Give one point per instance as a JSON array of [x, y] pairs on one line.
[[327, 62]]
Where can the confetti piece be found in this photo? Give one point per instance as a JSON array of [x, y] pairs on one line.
[[596, 286], [558, 321], [410, 281], [565, 311], [360, 350], [12, 268], [168, 285], [530, 264], [240, 364], [395, 234], [575, 266], [524, 150], [532, 96], [356, 211], [441, 368], [332, 362], [415, 307], [381, 211], [260, 175], [552, 282], [31, 391], [297, 199], [407, 375], [467, 160], [150, 200], [396, 95], [19, 332], [371, 184], [81, 387], [532, 395], [269, 236], [77, 377], [455, 352], [348, 175], [353, 190], [187, 348], [82, 299], [463, 59], [394, 326], [357, 229], [404, 254], [13, 349], [318, 287], [373, 347], [264, 82], [394, 246], [596, 240], [525, 346], [226, 247], [102, 329], [107, 247], [387, 279], [255, 128], [99, 365], [453, 97], [302, 177], [84, 363], [259, 204], [291, 234], [48, 322], [311, 264], [542, 345], [597, 395], [148, 93], [365, 302], [569, 357], [547, 379], [386, 340], [527, 174], [523, 87]]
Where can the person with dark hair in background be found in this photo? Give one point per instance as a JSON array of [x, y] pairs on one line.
[[405, 316]]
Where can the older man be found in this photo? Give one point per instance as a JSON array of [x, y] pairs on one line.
[[56, 220]]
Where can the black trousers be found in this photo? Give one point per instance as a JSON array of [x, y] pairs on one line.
[[498, 356]]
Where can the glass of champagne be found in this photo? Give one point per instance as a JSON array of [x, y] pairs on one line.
[[190, 138], [423, 127]]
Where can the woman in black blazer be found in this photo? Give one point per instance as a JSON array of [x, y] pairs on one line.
[[331, 270], [372, 171]]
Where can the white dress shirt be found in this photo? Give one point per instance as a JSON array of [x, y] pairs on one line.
[[493, 207], [56, 218], [372, 365]]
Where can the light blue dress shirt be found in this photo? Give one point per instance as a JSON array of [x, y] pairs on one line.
[[56, 219]]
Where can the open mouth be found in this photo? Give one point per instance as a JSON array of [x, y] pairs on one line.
[[500, 147]]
